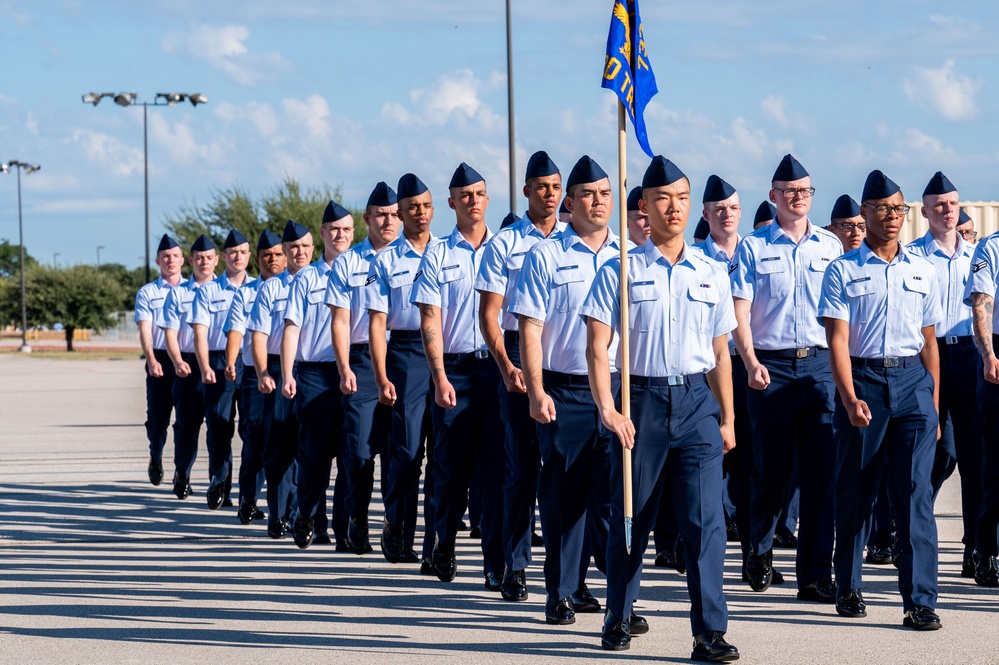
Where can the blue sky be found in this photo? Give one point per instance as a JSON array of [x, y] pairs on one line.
[[350, 93]]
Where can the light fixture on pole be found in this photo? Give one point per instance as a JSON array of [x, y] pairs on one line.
[[27, 168], [131, 99]]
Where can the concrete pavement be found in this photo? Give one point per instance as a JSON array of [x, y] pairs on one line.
[[98, 566]]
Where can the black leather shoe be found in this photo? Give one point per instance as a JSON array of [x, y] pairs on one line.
[[968, 566], [732, 532], [463, 526], [537, 540], [493, 582], [357, 536], [778, 578], [215, 495], [155, 471], [475, 532], [638, 624], [583, 601], [851, 605], [986, 570], [322, 538], [259, 514], [426, 568], [247, 512], [921, 618], [444, 565], [277, 528], [878, 556], [409, 555], [303, 530], [787, 541], [559, 612], [181, 486], [680, 556], [665, 559], [391, 543], [820, 592], [514, 585], [759, 571], [711, 647], [616, 635], [227, 502]]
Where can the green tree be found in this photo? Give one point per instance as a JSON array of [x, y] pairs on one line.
[[130, 281], [10, 259], [81, 297]]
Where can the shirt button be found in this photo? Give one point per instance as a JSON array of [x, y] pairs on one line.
[[674, 318]]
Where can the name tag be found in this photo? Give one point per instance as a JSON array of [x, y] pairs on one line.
[[451, 267], [401, 272], [651, 281], [576, 267], [769, 258], [517, 254], [860, 279]]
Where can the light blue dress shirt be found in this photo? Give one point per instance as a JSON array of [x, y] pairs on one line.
[[267, 315], [149, 303], [177, 313], [984, 276], [952, 276], [886, 304], [445, 279], [783, 279], [239, 312], [675, 311], [553, 282], [211, 308], [711, 250], [390, 284], [346, 284], [308, 310], [503, 259]]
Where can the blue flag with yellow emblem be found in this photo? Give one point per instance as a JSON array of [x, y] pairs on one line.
[[627, 70]]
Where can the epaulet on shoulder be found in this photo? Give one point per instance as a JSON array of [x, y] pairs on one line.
[[848, 256], [822, 231], [759, 233]]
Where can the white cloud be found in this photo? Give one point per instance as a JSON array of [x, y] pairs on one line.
[[183, 147], [454, 98], [223, 47], [773, 108], [945, 91], [31, 124], [121, 158], [85, 206], [312, 113]]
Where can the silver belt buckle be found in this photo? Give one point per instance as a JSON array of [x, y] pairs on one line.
[[950, 339], [801, 353], [481, 354], [674, 380], [891, 362]]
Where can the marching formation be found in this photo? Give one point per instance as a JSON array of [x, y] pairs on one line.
[[489, 364]]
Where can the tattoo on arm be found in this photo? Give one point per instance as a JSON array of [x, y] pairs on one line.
[[429, 335], [981, 321]]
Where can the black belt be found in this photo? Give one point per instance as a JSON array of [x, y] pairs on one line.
[[273, 358], [461, 357], [951, 340], [671, 380], [511, 336], [314, 364], [788, 354], [882, 363], [216, 354], [406, 334], [188, 357], [358, 348], [552, 378]]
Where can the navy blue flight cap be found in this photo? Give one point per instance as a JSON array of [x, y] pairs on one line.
[[878, 186], [166, 242], [661, 172], [963, 218], [202, 244], [939, 184], [464, 176], [382, 196], [509, 220], [716, 189], [845, 208], [562, 210], [235, 239], [633, 196], [789, 169], [334, 212], [585, 170], [267, 240], [765, 213], [702, 230], [293, 231], [410, 185], [540, 165]]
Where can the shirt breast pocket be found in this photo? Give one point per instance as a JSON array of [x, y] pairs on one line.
[[401, 286], [515, 262], [702, 301], [316, 297], [357, 280], [916, 289], [646, 310], [774, 274], [568, 290], [816, 271], [219, 306], [862, 299]]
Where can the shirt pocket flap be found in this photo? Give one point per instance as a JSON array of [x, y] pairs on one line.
[[819, 265], [705, 293], [357, 279], [644, 291], [568, 275], [449, 274], [917, 283], [515, 261], [219, 305], [862, 288], [769, 265], [399, 281], [317, 296]]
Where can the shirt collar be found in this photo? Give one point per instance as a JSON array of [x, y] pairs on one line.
[[652, 254], [964, 248], [569, 237], [456, 238], [365, 248], [866, 254], [777, 232], [527, 227], [713, 250]]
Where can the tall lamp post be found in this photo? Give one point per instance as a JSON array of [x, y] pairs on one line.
[[509, 102], [27, 168], [131, 99]]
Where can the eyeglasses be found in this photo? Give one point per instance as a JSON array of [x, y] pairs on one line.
[[790, 194], [883, 210], [850, 226], [969, 235]]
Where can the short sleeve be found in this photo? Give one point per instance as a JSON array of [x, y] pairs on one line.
[[375, 294], [725, 311], [492, 276], [338, 289], [235, 320], [832, 299], [531, 293], [742, 272], [143, 307], [426, 286], [199, 308], [298, 294], [171, 310], [933, 312], [601, 303], [983, 270], [260, 316]]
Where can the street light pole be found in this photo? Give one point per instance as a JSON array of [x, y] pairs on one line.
[[509, 97], [55, 259], [145, 171], [29, 168]]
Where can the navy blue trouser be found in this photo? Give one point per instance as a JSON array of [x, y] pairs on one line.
[[280, 447], [881, 518], [795, 415], [468, 440], [988, 516], [407, 369], [159, 404], [522, 464], [367, 426], [678, 449], [960, 441], [574, 484], [220, 420], [251, 432], [737, 465], [189, 405], [320, 435], [900, 442]]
